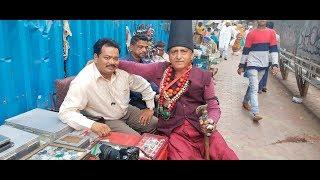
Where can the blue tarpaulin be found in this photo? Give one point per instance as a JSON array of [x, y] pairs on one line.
[[31, 56]]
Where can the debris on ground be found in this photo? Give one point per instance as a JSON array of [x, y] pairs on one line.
[[297, 100], [299, 139]]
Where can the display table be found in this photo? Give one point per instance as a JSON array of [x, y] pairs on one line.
[[62, 142]]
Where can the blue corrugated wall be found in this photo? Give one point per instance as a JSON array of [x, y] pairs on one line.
[[86, 33], [31, 56]]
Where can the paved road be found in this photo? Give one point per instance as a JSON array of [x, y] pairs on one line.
[[283, 119]]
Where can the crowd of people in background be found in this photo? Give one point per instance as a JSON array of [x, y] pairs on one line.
[[223, 35]]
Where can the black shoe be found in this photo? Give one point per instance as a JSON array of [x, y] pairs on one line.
[[225, 58], [264, 89]]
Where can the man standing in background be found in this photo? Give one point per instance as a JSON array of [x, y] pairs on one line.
[[137, 53], [160, 55], [260, 43], [263, 81], [224, 39]]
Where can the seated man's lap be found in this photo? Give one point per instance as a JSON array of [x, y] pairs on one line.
[[185, 143], [120, 126], [130, 123], [132, 118]]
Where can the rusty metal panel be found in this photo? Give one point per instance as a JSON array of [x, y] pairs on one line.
[[300, 36]]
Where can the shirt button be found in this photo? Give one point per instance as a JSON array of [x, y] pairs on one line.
[[184, 105]]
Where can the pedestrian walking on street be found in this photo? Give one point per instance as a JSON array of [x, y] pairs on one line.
[[263, 81], [237, 43], [225, 38], [260, 43]]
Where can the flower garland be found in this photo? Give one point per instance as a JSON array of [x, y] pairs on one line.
[[169, 96]]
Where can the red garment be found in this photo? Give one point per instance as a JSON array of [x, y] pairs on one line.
[[153, 72], [187, 143], [185, 140]]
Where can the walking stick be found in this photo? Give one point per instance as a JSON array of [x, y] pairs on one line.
[[202, 111]]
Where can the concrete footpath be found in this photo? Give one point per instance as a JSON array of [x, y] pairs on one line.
[[287, 131]]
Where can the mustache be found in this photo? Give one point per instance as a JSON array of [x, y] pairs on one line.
[[114, 66]]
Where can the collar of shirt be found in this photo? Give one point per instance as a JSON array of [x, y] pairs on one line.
[[129, 57]]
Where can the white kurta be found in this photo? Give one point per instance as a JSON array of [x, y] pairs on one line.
[[225, 37]]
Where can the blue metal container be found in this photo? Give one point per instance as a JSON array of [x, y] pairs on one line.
[[31, 56]]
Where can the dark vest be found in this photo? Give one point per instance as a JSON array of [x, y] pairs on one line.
[[186, 105]]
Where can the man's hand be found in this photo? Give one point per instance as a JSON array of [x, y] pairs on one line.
[[146, 116], [100, 129], [240, 71], [275, 70], [208, 126]]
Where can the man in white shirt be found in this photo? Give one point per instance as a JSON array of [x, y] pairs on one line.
[[102, 90], [225, 38], [160, 55]]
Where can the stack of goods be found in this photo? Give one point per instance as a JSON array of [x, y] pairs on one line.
[[74, 140], [153, 147], [5, 143], [17, 143], [57, 152], [42, 122]]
